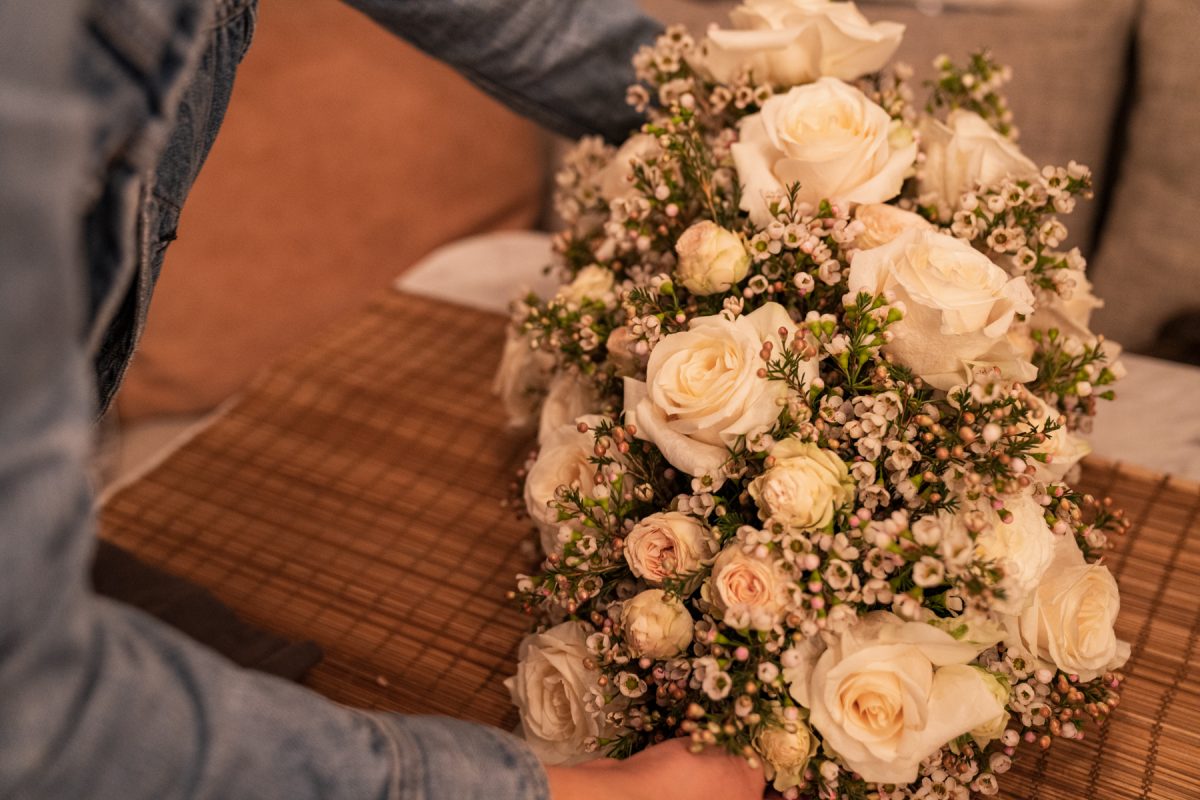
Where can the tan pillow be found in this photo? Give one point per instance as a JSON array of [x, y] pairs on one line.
[[1148, 265], [1069, 70], [345, 157]]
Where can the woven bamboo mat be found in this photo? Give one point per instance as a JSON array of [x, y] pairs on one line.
[[353, 496]]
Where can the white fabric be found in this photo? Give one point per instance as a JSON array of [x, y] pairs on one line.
[[484, 272]]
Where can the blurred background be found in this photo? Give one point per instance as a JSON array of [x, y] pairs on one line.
[[347, 156]]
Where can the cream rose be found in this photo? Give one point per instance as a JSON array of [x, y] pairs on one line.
[[711, 258], [1062, 449], [1072, 316], [994, 728], [827, 137], [616, 179], [564, 459], [669, 546], [886, 694], [965, 151], [656, 625], [521, 380], [883, 223], [786, 746], [1070, 623], [702, 390], [1023, 548], [974, 627], [788, 42], [958, 305], [568, 397], [750, 590], [804, 486], [558, 697], [593, 283]]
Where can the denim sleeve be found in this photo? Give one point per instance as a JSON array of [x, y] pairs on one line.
[[98, 700], [563, 63]]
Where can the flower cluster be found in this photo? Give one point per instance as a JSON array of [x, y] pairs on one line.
[[976, 87], [806, 403]]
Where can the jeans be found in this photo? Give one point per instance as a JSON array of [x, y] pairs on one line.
[[107, 111]]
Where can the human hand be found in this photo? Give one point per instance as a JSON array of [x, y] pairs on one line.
[[668, 771]]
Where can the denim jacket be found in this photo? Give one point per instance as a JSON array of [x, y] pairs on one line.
[[107, 110]]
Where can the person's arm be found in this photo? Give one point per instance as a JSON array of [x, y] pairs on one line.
[[98, 700], [563, 63]]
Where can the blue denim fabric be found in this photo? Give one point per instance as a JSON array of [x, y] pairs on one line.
[[166, 70], [563, 63], [107, 110]]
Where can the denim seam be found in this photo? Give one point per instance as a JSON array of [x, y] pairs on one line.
[[226, 16], [532, 768], [125, 275], [167, 201], [133, 274], [406, 767]]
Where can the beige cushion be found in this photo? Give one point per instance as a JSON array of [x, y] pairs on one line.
[[346, 156], [1148, 265], [1069, 70]]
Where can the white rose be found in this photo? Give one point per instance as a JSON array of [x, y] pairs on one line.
[[749, 589], [994, 728], [1112, 355], [788, 42], [958, 305], [521, 380], [669, 546], [974, 627], [593, 283], [616, 179], [830, 139], [568, 398], [804, 486], [557, 696], [883, 223], [1063, 449], [786, 746], [564, 459], [711, 259], [886, 694], [1070, 623], [1072, 316], [965, 151], [1023, 548], [702, 390], [656, 625]]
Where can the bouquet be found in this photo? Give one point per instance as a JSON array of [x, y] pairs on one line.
[[807, 402]]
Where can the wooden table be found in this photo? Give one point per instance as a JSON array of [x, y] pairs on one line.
[[354, 496]]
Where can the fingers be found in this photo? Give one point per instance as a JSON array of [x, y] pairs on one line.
[[670, 770], [741, 779]]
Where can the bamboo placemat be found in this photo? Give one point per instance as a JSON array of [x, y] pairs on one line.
[[353, 497]]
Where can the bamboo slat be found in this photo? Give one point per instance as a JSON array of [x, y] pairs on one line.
[[354, 497]]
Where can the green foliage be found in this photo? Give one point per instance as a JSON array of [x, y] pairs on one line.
[[974, 87]]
